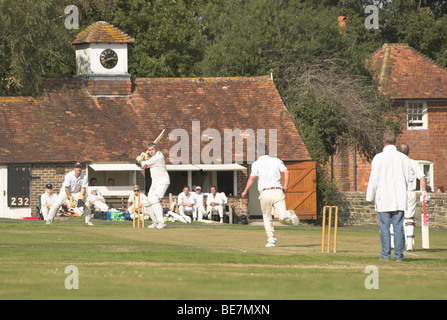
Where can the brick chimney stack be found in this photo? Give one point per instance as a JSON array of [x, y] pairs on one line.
[[342, 24]]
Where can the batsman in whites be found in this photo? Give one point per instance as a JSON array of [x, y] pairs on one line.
[[160, 182], [415, 174]]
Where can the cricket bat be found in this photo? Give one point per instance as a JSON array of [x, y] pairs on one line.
[[159, 136], [144, 155], [424, 224]]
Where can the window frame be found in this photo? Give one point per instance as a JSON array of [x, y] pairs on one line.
[[423, 121], [429, 176]]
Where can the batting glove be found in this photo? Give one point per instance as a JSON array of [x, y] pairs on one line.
[[427, 197]]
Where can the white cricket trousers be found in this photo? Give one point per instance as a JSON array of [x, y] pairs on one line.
[[62, 198], [45, 211], [99, 206], [273, 198], [408, 221], [200, 209], [218, 209], [192, 210], [152, 204]]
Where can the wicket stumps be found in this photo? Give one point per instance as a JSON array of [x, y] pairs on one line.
[[135, 210], [329, 209]]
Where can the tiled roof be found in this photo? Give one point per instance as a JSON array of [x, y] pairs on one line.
[[405, 73], [102, 32], [65, 123]]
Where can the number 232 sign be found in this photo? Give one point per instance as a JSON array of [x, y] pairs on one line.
[[18, 202]]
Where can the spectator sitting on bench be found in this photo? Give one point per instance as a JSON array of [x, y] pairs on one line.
[[200, 208], [97, 201], [187, 203], [139, 198], [215, 203]]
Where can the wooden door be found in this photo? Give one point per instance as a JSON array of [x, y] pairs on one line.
[[301, 195]]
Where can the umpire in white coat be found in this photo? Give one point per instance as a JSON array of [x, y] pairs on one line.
[[387, 186]]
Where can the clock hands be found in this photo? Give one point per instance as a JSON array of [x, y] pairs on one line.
[[108, 59], [112, 58]]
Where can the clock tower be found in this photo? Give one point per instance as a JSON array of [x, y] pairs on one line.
[[101, 59]]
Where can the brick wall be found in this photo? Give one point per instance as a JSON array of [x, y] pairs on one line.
[[240, 205], [343, 169], [355, 210], [41, 174], [109, 87], [429, 145]]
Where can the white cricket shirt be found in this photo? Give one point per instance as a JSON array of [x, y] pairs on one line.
[[45, 199], [157, 166], [199, 197], [268, 170], [75, 184], [141, 196], [217, 199], [188, 199]]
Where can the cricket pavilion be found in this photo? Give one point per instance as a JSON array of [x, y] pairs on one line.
[[104, 118]]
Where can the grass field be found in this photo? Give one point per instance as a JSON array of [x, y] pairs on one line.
[[115, 261]]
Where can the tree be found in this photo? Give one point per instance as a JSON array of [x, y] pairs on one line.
[[25, 25], [167, 36], [35, 42], [319, 72], [420, 23], [334, 108]]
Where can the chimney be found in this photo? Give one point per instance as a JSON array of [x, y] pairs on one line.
[[342, 24]]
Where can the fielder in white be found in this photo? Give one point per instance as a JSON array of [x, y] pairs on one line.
[[47, 200], [200, 208], [187, 203], [160, 183], [271, 193], [215, 203], [415, 173], [73, 189], [96, 200]]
